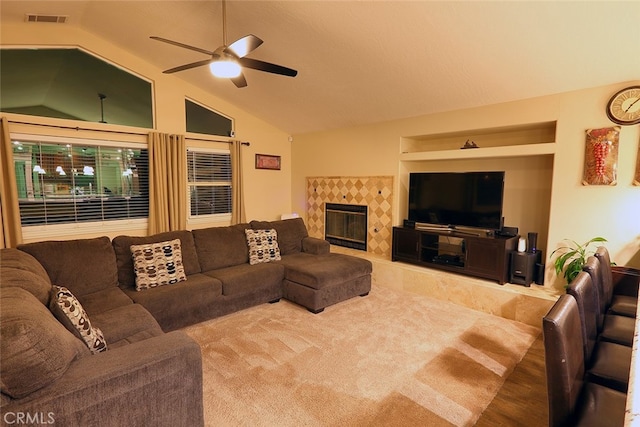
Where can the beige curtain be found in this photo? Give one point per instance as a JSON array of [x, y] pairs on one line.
[[11, 231], [237, 196], [167, 182]]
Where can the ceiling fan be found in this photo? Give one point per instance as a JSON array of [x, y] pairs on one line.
[[229, 60]]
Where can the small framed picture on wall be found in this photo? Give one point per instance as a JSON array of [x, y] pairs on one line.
[[267, 161]]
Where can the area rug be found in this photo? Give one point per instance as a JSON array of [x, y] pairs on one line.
[[391, 358]]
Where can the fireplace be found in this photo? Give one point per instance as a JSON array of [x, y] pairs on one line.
[[346, 225]]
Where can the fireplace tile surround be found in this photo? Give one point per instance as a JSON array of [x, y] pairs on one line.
[[376, 192]]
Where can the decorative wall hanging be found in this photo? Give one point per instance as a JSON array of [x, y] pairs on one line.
[[266, 161], [601, 156], [636, 178]]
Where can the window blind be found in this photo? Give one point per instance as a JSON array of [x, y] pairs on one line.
[[69, 183], [209, 180]]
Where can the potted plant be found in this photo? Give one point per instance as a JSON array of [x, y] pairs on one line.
[[571, 258]]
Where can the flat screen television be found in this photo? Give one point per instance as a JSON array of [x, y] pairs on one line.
[[457, 199]]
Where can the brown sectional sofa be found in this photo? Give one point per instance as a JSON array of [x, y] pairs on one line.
[[151, 373], [147, 376]]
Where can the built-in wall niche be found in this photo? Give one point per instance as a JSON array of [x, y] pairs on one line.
[[518, 140], [527, 187], [524, 151]]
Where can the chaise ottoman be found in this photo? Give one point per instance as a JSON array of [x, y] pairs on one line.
[[318, 281]]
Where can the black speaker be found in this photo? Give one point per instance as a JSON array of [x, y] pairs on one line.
[[533, 242], [522, 268], [539, 276]]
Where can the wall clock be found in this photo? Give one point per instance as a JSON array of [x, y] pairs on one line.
[[624, 106]]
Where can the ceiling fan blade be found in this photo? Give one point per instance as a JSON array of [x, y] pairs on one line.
[[239, 81], [267, 66], [186, 46], [242, 47], [188, 66]]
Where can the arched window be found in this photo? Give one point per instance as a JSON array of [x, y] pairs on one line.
[[72, 84]]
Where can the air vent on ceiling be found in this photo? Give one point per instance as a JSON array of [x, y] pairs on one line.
[[35, 17]]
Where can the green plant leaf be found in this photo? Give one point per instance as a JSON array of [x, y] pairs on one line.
[[594, 240], [571, 258], [573, 269], [562, 260]]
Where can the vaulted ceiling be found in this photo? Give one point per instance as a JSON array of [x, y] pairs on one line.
[[362, 62]]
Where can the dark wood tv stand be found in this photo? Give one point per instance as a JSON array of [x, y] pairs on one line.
[[473, 254]]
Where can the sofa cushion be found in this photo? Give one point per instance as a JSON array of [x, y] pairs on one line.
[[182, 304], [319, 271], [18, 268], [263, 246], [122, 247], [220, 247], [104, 300], [290, 233], [126, 325], [35, 349], [157, 264], [315, 246], [245, 278], [83, 266], [70, 313]]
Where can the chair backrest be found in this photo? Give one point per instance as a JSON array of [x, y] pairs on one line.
[[602, 254], [581, 288], [563, 359], [592, 267]]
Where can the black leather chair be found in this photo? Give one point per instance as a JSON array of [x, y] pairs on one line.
[[611, 327], [606, 363], [620, 285], [572, 400]]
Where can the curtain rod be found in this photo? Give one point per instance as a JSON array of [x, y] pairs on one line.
[[215, 140], [78, 128]]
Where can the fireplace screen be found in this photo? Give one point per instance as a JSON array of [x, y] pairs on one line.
[[346, 225]]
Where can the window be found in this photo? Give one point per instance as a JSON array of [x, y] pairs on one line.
[[209, 182], [203, 120], [62, 181], [73, 84]]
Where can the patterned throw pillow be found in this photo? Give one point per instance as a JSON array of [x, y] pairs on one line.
[[263, 246], [67, 309], [157, 264]]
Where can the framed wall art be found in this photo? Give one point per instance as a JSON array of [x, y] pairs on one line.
[[267, 161], [601, 156]]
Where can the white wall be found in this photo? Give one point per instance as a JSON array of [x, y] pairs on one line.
[[576, 212]]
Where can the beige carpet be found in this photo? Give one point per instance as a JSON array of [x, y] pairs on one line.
[[391, 358]]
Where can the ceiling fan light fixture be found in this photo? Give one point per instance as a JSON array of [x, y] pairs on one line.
[[225, 68], [228, 60]]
